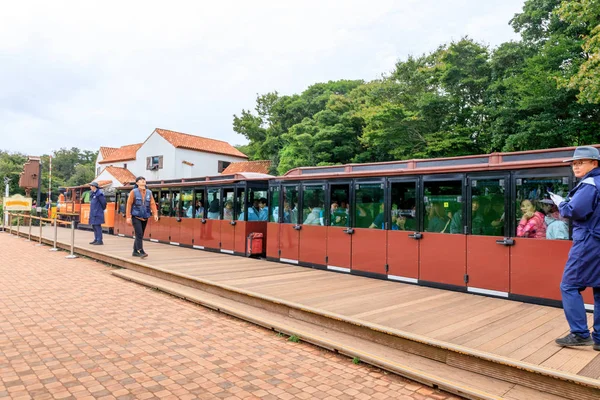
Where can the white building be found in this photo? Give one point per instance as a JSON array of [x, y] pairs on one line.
[[168, 155]]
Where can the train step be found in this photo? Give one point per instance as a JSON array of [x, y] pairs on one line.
[[452, 372]]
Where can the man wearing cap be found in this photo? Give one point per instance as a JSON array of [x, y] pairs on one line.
[[97, 207], [583, 266]]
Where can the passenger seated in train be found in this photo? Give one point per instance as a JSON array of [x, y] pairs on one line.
[[556, 226], [477, 223], [228, 210], [532, 223], [315, 215], [263, 213], [198, 208], [213, 208], [437, 219], [252, 214], [339, 216], [379, 221], [404, 219]]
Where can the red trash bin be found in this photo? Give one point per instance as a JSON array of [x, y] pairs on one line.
[[254, 244]]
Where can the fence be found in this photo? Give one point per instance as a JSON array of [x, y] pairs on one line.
[[27, 221]]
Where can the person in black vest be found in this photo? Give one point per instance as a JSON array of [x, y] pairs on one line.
[[97, 207], [140, 207]]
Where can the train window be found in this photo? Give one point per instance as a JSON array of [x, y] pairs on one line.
[[443, 207], [257, 207], [198, 210], [404, 202], [176, 204], [313, 205], [164, 203], [214, 205], [487, 207], [536, 216], [187, 203], [156, 195], [274, 204], [228, 201], [290, 205], [240, 200], [122, 202], [369, 206], [339, 210]]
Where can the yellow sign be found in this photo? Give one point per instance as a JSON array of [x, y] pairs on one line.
[[446, 204], [17, 203]]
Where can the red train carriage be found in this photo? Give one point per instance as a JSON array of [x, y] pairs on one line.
[[213, 213], [449, 223], [74, 205]]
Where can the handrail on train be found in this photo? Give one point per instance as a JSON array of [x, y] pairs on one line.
[[54, 221]]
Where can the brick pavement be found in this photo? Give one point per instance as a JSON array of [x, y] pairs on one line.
[[70, 330]]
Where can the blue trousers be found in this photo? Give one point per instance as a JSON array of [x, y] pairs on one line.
[[575, 311], [97, 232]]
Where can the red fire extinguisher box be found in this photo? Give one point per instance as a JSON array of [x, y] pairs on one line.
[[254, 246]]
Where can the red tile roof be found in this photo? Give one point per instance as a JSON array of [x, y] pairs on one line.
[[261, 167], [191, 142], [121, 174], [123, 153]]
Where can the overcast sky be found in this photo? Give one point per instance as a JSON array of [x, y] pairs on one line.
[[89, 74]]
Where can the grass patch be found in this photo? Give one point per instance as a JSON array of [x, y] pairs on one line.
[[356, 360], [294, 339]]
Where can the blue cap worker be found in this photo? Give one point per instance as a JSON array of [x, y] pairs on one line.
[[582, 207], [97, 207]]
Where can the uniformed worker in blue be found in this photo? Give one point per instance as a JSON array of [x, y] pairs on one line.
[[582, 207], [97, 207]]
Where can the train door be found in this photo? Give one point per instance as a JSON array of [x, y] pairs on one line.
[[239, 215], [227, 220], [150, 226], [339, 231], [488, 245], [257, 214], [121, 227], [273, 226], [313, 235], [199, 219], [403, 234], [537, 262], [369, 236], [212, 228], [161, 229], [175, 218], [443, 246], [186, 217], [289, 229]]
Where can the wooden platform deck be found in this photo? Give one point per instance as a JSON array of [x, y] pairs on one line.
[[506, 331]]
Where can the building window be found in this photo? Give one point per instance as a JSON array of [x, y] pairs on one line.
[[125, 165], [222, 166], [154, 163]]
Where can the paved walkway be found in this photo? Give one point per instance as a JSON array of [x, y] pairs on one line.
[[71, 330]]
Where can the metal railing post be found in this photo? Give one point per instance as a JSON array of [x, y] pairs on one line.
[[55, 236], [72, 255], [10, 223], [29, 235], [18, 226], [40, 238]]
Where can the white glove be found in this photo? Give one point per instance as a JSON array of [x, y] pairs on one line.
[[556, 199]]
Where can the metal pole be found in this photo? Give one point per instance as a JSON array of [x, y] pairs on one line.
[[40, 238], [29, 236], [10, 223], [72, 255], [18, 225], [55, 235]]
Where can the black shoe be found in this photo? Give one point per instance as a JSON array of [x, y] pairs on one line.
[[143, 254], [597, 346], [136, 254], [573, 339], [94, 242], [97, 243]]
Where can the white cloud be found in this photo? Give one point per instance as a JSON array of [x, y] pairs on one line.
[[87, 74]]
